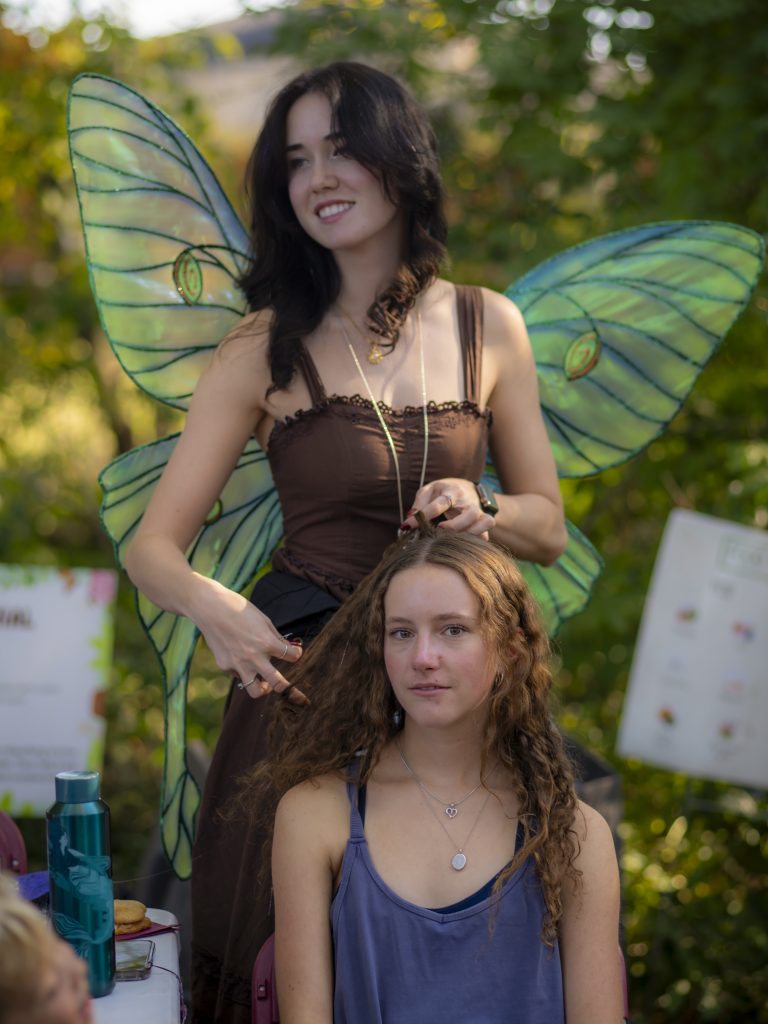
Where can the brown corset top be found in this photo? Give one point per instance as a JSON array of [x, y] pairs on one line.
[[334, 471]]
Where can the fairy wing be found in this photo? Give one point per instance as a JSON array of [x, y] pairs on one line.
[[165, 250], [561, 590], [621, 326], [164, 246], [238, 536]]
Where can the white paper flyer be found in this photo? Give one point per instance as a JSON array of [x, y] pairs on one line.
[[697, 700]]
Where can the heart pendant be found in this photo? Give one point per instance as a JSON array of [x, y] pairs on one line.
[[451, 810]]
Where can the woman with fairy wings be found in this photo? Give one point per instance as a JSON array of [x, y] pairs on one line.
[[373, 385], [349, 316]]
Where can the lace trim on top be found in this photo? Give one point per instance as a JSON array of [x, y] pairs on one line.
[[359, 402]]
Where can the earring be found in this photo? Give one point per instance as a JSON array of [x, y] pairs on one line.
[[397, 718]]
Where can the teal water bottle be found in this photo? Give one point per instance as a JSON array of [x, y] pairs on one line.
[[80, 870]]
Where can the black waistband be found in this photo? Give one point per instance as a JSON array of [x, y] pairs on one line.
[[286, 599]]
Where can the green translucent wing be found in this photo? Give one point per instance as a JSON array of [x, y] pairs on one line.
[[163, 244], [621, 327], [165, 250], [562, 590], [236, 540]]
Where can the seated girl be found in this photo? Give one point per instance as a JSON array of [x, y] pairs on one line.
[[431, 862]]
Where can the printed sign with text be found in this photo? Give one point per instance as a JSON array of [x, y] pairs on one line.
[[55, 654]]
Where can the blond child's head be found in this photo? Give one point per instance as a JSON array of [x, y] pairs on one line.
[[42, 980]]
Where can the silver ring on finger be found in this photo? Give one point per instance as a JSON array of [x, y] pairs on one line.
[[285, 649], [244, 686], [449, 499]]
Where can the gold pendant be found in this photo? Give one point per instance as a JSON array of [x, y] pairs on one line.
[[375, 355]]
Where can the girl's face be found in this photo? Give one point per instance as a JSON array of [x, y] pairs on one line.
[[440, 664], [338, 202]]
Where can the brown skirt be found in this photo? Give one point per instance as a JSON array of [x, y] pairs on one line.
[[231, 912]]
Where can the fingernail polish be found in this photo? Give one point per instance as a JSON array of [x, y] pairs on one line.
[[404, 527], [296, 641]]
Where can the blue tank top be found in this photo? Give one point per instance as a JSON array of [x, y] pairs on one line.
[[398, 963]]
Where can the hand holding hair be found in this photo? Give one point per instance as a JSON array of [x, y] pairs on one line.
[[454, 504]]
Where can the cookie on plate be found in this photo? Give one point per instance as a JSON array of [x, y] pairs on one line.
[[130, 916]]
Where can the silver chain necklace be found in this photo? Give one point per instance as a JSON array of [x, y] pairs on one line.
[[450, 809], [380, 416], [459, 859]]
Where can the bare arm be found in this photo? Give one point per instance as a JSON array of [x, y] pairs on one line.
[[589, 933], [223, 414], [530, 518], [302, 875]]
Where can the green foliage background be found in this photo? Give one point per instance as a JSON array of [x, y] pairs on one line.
[[558, 120]]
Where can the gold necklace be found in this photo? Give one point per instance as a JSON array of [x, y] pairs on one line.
[[380, 416], [374, 354]]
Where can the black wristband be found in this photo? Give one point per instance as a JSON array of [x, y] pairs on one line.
[[488, 502]]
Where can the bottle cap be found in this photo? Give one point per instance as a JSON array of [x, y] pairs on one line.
[[77, 787]]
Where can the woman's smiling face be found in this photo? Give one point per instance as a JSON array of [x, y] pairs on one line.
[[438, 658], [339, 203]]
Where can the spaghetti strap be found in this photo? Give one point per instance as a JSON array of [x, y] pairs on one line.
[[469, 306], [354, 793], [312, 378]]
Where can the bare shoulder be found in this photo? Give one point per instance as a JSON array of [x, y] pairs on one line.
[[319, 803], [239, 370], [322, 793], [594, 846], [249, 338], [503, 323]]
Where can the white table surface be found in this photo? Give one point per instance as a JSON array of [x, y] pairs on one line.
[[155, 999]]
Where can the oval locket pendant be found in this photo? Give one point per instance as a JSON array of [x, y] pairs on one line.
[[458, 861]]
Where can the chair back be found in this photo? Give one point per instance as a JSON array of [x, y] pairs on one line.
[[624, 986], [263, 991], [13, 852]]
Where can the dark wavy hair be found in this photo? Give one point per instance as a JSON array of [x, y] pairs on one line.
[[352, 703], [292, 275]]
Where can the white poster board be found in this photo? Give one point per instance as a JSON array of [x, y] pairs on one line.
[[55, 654], [697, 700]]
